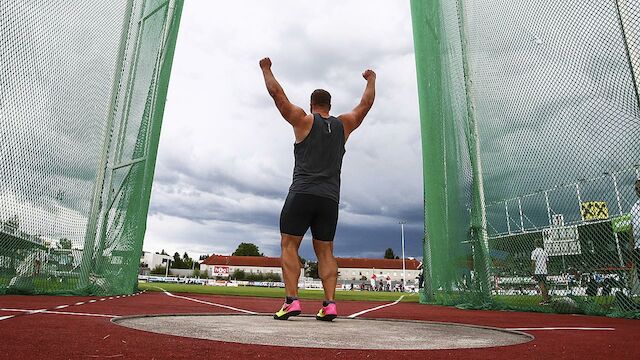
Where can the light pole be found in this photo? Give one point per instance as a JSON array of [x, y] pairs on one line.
[[404, 270], [167, 271]]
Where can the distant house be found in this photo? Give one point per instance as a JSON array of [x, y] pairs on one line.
[[348, 268], [356, 268], [149, 261], [221, 265]]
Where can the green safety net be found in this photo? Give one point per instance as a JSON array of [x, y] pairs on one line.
[[531, 139], [82, 92]]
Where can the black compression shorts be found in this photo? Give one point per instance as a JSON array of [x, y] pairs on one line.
[[301, 211]]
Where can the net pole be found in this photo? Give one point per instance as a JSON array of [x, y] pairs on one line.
[[165, 63], [119, 142], [546, 200], [628, 53], [96, 201], [425, 18], [506, 214], [478, 216]]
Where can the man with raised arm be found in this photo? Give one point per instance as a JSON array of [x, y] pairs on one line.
[[314, 194]]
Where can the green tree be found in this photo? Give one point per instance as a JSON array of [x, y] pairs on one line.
[[239, 275], [64, 243], [158, 270], [188, 262], [312, 270], [247, 249], [388, 254]]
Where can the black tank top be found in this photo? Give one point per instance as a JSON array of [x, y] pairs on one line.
[[319, 159]]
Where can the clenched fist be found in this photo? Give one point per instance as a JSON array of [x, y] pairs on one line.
[[369, 75], [265, 63]]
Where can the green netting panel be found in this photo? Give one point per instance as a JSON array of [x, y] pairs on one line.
[[531, 134], [81, 105]]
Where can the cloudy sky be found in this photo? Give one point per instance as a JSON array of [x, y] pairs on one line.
[[226, 156]]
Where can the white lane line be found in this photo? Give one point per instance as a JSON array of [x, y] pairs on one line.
[[111, 298], [206, 302], [26, 310], [375, 308], [79, 303], [563, 328], [62, 306], [58, 312], [103, 299], [79, 314], [92, 301], [5, 317]]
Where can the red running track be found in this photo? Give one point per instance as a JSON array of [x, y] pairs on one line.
[[83, 330]]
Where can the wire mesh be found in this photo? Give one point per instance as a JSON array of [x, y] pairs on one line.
[[81, 103], [549, 91]]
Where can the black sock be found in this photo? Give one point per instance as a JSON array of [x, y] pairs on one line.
[[327, 302], [290, 299]]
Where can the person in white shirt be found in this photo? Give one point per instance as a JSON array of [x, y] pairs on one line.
[[539, 260], [635, 223]]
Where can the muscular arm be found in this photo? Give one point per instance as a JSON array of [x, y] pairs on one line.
[[290, 112], [353, 119]]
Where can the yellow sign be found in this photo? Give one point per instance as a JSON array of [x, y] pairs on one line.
[[594, 210]]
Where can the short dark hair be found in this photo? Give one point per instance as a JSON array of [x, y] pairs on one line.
[[320, 97], [538, 241]]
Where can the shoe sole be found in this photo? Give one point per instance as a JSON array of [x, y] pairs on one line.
[[287, 315], [326, 317]]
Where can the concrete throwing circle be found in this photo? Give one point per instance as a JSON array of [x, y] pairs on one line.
[[375, 334]]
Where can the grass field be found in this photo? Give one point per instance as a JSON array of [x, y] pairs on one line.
[[276, 292]]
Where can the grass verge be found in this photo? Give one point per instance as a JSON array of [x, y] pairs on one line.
[[276, 292]]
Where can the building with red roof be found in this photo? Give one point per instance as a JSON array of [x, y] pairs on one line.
[[348, 268]]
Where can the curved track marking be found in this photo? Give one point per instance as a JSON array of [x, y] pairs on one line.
[[54, 312], [206, 302], [562, 328], [375, 308]]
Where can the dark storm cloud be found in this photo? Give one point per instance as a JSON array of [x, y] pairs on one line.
[[226, 155]]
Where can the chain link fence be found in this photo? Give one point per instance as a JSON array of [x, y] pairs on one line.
[[531, 139]]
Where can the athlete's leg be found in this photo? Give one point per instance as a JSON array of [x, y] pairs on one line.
[[295, 219], [327, 267], [290, 263]]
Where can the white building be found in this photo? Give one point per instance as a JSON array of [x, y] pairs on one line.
[[349, 269], [361, 269], [220, 265], [152, 260]]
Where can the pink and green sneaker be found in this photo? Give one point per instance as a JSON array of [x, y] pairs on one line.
[[288, 310], [327, 313]]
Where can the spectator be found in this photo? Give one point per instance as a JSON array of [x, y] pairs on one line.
[[539, 260]]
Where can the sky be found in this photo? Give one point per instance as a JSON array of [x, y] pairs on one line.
[[553, 96], [225, 158]]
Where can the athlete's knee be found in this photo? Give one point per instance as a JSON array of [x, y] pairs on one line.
[[328, 267], [289, 242]]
